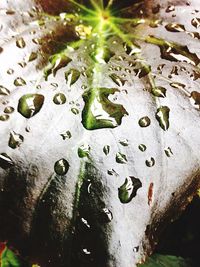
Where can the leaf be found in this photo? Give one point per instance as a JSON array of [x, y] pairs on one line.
[[9, 259], [93, 92], [166, 260]]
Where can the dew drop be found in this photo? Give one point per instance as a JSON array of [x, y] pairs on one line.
[[175, 27], [15, 140], [144, 122], [32, 56], [168, 152], [170, 8], [20, 43], [178, 85], [150, 162], [106, 150], [72, 76], [61, 167], [5, 161], [107, 215], [142, 147], [159, 91], [59, 99], [4, 91], [123, 142], [9, 110], [4, 117], [19, 81], [75, 111], [128, 190], [66, 135], [10, 71], [117, 80], [121, 158], [30, 104], [195, 22], [162, 116]]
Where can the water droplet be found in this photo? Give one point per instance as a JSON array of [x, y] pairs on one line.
[[15, 140], [112, 172], [143, 71], [175, 27], [150, 162], [159, 91], [66, 135], [196, 22], [136, 249], [131, 49], [10, 71], [144, 122], [4, 91], [106, 150], [99, 112], [178, 85], [142, 147], [56, 62], [118, 80], [59, 99], [4, 117], [162, 115], [84, 151], [195, 99], [150, 194], [5, 161], [19, 82], [123, 142], [61, 167], [168, 152], [72, 76], [9, 110], [129, 189], [30, 104], [107, 215], [32, 56], [170, 8], [121, 158], [85, 222], [20, 43], [75, 111]]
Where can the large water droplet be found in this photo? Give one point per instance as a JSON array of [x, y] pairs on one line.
[[59, 99], [99, 111], [61, 167], [128, 190], [162, 115], [15, 140], [72, 76], [144, 122], [121, 158], [30, 104]]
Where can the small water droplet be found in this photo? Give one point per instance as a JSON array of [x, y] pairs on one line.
[[32, 56], [106, 150], [9, 110], [66, 135], [4, 91], [20, 43], [10, 71], [195, 99], [75, 111], [19, 81], [170, 8], [178, 85], [159, 91], [112, 172], [61, 167], [72, 76], [30, 104], [142, 147], [5, 161], [118, 80], [175, 27], [121, 158], [59, 99], [168, 152], [136, 249], [144, 122], [107, 215], [150, 162], [128, 190], [4, 117], [123, 142], [162, 115], [85, 222], [195, 22], [15, 140]]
